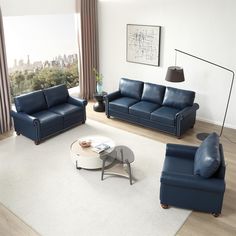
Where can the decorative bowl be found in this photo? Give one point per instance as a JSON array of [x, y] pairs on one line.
[[85, 143]]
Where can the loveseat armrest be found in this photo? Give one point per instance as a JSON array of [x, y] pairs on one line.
[[193, 182], [77, 101], [24, 117], [27, 125], [187, 111], [112, 96], [180, 150]]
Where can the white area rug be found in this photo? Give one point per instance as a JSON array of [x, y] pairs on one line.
[[41, 185]]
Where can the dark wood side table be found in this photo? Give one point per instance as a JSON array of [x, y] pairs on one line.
[[99, 106]]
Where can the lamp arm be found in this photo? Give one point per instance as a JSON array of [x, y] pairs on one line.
[[222, 67], [226, 110]]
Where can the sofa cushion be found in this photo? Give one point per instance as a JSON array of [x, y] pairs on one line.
[[143, 109], [207, 157], [31, 102], [67, 110], [153, 93], [122, 104], [178, 165], [131, 88], [165, 115], [56, 95], [50, 123], [178, 98]]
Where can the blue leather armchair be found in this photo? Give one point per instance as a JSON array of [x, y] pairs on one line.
[[154, 106], [43, 113], [191, 179]]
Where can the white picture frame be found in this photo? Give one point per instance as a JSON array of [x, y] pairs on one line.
[[143, 44]]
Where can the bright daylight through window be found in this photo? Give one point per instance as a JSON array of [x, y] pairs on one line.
[[41, 52]]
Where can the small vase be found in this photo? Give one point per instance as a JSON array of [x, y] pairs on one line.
[[99, 88]]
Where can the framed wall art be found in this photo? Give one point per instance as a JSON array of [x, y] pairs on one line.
[[143, 44]]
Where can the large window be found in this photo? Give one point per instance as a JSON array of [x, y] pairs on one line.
[[41, 52]]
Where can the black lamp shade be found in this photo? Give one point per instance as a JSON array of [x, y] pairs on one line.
[[175, 74]]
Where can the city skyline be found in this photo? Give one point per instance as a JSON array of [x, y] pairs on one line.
[[42, 37], [28, 64]]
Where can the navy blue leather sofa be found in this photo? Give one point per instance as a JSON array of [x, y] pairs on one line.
[[194, 178], [43, 113], [155, 106]]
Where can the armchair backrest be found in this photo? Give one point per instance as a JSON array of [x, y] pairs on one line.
[[131, 88], [220, 173]]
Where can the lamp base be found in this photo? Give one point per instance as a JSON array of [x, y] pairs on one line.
[[202, 136]]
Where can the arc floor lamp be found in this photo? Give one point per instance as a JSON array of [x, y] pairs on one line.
[[176, 74]]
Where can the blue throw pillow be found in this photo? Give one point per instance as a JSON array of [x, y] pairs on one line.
[[207, 157]]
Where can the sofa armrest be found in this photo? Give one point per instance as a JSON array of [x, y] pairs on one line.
[[77, 101], [193, 182], [180, 150], [27, 125], [187, 111], [185, 119], [24, 117], [112, 96]]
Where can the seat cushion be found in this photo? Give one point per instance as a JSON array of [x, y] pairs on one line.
[[122, 104], [50, 123], [178, 98], [131, 88], [143, 109], [48, 118], [178, 164], [153, 93], [207, 158], [56, 95], [31, 102], [67, 110], [165, 115]]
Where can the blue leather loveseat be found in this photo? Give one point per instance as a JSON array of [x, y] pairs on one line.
[[155, 106], [43, 113], [194, 177]]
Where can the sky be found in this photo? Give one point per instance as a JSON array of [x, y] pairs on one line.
[[42, 37]]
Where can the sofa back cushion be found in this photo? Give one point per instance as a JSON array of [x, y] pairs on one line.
[[56, 95], [153, 93], [207, 158], [178, 98], [131, 88], [31, 102]]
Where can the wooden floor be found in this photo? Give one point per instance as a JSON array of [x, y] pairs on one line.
[[197, 223]]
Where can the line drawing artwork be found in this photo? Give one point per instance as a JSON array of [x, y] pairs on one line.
[[143, 44]]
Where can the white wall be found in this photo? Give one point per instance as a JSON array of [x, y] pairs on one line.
[[204, 28], [36, 7]]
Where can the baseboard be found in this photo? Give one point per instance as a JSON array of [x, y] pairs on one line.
[[227, 125]]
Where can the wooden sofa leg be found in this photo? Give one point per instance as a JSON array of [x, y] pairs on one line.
[[164, 206], [215, 214], [36, 142]]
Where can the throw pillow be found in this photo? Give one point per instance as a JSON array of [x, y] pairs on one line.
[[207, 157]]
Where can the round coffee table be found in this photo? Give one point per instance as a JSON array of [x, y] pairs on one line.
[[85, 157]]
